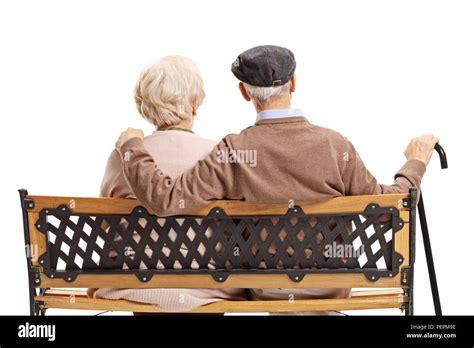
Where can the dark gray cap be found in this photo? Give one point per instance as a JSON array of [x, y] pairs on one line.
[[265, 66]]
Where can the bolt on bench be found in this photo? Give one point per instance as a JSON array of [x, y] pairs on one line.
[[346, 242]]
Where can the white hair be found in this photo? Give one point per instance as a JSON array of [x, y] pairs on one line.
[[168, 91], [263, 94]]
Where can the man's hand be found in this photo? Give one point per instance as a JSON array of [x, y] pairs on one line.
[[421, 148], [127, 135]]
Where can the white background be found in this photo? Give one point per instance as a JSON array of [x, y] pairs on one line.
[[379, 72]]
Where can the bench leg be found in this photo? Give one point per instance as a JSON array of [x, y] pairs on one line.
[[409, 306], [32, 301], [39, 309]]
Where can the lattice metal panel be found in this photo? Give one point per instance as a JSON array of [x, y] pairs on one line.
[[218, 244]]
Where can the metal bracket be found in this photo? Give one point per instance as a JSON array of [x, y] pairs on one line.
[[217, 213], [28, 204], [67, 276], [296, 276], [36, 276], [220, 277], [405, 276], [143, 277], [406, 202], [296, 211]]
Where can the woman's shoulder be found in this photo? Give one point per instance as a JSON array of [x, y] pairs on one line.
[[206, 142], [181, 137]]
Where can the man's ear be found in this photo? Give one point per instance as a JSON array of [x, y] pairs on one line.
[[244, 92], [293, 83]]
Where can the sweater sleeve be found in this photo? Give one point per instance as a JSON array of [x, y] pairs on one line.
[[359, 181], [163, 195], [114, 183]]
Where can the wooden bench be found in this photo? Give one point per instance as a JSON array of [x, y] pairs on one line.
[[346, 242]]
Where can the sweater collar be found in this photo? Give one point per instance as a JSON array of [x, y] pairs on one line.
[[300, 119]]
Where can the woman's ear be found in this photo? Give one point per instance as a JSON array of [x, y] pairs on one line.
[[195, 107], [293, 83], [244, 92]]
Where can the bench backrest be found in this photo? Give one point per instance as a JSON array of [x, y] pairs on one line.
[[356, 241]]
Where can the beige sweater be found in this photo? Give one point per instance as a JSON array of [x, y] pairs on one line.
[[274, 161], [176, 152]]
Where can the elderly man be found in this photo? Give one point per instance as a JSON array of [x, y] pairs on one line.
[[296, 160]]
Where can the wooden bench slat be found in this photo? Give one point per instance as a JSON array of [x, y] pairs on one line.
[[343, 204], [326, 280], [377, 300], [356, 293]]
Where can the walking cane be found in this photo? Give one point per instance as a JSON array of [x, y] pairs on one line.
[[426, 238]]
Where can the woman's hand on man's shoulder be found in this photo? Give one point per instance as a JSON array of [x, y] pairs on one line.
[[127, 135]]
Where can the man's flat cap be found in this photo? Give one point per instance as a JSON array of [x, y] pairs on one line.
[[265, 66]]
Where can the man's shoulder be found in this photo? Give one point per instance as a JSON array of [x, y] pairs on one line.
[[236, 137], [330, 134]]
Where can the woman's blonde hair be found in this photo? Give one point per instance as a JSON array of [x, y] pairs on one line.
[[168, 91]]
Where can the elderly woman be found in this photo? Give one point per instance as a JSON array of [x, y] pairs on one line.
[[167, 95]]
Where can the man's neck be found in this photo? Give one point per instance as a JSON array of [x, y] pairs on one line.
[[281, 103]]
